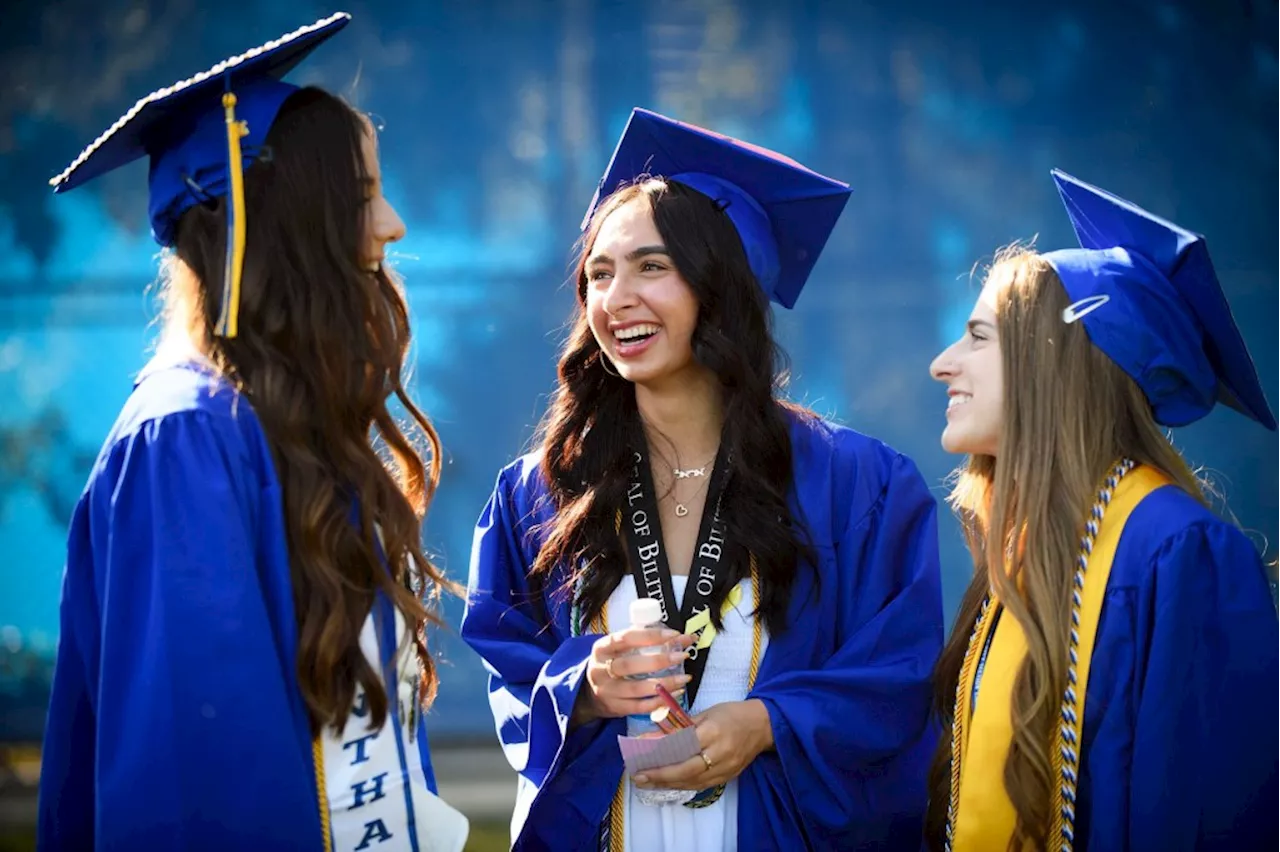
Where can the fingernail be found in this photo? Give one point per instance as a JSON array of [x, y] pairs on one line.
[[677, 656], [642, 779], [685, 678], [667, 633]]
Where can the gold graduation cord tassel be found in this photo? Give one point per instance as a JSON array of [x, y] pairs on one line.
[[229, 318]]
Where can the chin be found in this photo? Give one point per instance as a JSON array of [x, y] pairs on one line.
[[643, 375], [965, 445], [643, 371]]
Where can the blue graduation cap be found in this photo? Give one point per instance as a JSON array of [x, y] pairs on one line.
[[1147, 294], [783, 212], [201, 133]]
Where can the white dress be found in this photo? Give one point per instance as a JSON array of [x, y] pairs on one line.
[[378, 797], [675, 828]]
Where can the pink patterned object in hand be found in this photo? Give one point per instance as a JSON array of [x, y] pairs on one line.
[[641, 753]]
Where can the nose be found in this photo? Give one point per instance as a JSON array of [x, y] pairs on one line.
[[620, 296], [943, 367], [389, 227]]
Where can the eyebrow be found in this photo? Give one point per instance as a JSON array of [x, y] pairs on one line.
[[645, 251], [632, 256], [975, 323]]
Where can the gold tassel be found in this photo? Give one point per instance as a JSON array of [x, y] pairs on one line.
[[229, 318]]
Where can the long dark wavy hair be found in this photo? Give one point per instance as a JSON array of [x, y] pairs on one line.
[[592, 424], [320, 352]]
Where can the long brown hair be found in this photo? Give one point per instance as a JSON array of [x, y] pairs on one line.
[[593, 419], [1068, 413], [320, 352]]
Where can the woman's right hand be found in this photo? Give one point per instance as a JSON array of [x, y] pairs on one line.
[[608, 693]]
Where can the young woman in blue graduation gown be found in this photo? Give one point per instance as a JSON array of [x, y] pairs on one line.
[[826, 545], [1111, 680], [242, 662]]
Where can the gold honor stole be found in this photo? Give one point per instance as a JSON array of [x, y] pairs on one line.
[[984, 814]]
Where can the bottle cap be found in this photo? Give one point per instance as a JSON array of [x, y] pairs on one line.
[[645, 611]]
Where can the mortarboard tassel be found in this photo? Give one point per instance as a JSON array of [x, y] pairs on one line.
[[229, 320]]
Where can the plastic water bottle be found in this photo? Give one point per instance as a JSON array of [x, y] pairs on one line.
[[647, 612]]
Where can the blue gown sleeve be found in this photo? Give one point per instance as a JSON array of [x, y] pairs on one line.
[[66, 796], [1205, 738], [852, 737], [170, 724], [567, 778]]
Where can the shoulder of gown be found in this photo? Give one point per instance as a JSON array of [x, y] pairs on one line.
[[841, 475], [1179, 731]]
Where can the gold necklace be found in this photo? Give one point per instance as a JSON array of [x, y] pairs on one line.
[[681, 509]]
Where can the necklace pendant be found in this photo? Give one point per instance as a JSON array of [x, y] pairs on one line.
[[681, 510], [686, 474]]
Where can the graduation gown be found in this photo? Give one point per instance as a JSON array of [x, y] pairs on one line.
[[1180, 724], [176, 720], [846, 683]]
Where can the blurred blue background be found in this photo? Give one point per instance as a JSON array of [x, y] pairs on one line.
[[500, 115]]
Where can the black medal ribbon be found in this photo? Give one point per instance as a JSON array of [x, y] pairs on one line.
[[647, 555]]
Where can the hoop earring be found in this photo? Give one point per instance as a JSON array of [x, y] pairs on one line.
[[604, 365]]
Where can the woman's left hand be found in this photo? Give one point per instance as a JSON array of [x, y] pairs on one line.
[[731, 735]]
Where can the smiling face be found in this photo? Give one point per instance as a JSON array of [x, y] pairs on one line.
[[641, 310], [973, 372]]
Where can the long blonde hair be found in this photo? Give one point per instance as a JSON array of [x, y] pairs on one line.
[[1068, 413]]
